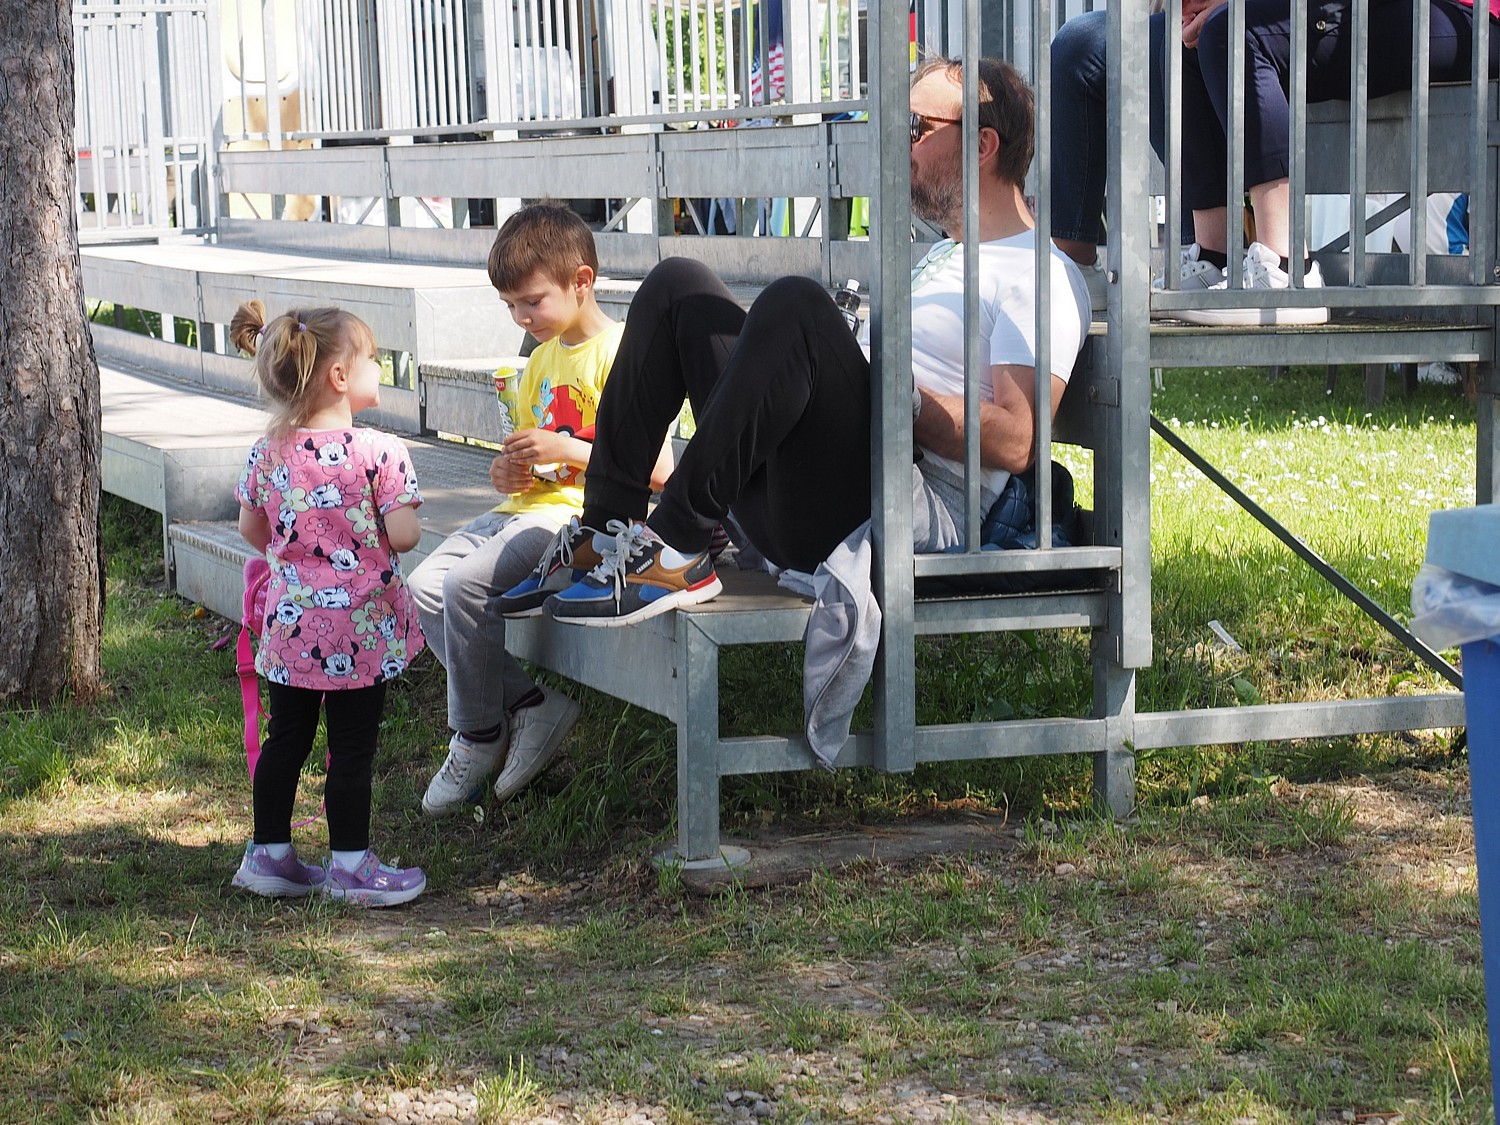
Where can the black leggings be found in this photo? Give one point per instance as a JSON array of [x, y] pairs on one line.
[[353, 727], [781, 397]]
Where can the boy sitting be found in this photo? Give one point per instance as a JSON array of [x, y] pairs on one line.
[[543, 263]]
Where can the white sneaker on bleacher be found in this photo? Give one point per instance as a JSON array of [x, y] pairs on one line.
[[1262, 271], [1197, 275]]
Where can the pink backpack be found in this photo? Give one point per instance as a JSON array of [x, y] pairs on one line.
[[252, 618]]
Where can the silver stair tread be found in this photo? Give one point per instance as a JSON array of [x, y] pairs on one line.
[[236, 260], [203, 257], [154, 413], [171, 416]]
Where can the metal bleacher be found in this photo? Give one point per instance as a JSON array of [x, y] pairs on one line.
[[283, 204]]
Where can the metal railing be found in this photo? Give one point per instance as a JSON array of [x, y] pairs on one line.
[[373, 69], [144, 117]]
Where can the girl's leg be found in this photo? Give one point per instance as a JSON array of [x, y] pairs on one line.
[[1203, 148], [289, 737], [484, 680], [784, 439], [353, 732], [679, 332]]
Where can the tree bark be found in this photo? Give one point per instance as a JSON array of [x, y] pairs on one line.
[[51, 576]]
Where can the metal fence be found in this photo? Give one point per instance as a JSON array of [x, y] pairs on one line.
[[381, 68], [144, 113]]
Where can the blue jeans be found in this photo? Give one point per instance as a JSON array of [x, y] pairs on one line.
[[1080, 122], [1205, 80]]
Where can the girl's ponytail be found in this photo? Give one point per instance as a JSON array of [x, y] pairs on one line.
[[245, 328], [291, 350]]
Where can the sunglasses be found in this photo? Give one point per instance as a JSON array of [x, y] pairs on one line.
[[921, 124]]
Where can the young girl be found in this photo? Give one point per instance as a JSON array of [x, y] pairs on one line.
[[330, 503]]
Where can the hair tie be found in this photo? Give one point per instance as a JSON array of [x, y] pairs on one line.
[[261, 331], [301, 327]]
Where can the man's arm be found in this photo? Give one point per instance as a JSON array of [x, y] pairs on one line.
[[1006, 430]]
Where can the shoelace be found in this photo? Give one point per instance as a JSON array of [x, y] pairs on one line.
[[560, 551], [456, 769], [1257, 275], [630, 544]]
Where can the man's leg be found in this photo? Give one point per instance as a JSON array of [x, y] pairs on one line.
[[784, 438], [679, 332]]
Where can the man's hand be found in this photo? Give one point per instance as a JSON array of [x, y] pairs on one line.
[[1195, 14], [509, 477]]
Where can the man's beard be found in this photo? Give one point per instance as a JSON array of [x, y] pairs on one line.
[[938, 198]]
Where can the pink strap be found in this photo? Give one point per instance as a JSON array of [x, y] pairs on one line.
[[244, 653]]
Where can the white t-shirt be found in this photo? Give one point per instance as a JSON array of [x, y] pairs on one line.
[[1007, 322]]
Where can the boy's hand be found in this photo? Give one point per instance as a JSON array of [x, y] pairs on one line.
[[509, 477], [538, 447]]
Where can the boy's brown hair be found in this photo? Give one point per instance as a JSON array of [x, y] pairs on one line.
[[544, 238]]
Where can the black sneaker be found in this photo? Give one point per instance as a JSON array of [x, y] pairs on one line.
[[632, 584], [569, 557]]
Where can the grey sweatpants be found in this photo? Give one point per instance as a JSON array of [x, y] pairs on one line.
[[456, 591]]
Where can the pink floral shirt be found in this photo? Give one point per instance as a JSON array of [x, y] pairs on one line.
[[338, 615]]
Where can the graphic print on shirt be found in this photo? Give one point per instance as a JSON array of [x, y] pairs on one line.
[[338, 613]]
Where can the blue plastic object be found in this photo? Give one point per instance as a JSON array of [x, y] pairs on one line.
[[1482, 710]]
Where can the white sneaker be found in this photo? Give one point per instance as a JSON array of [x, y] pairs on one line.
[[536, 733], [462, 777], [1440, 372], [1196, 273], [1097, 280], [1262, 271]]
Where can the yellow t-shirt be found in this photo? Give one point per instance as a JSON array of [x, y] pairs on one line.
[[559, 390]]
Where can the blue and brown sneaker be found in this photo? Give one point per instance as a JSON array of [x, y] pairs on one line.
[[639, 577], [571, 555]]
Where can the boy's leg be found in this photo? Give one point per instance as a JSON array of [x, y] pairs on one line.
[[784, 438], [680, 330], [353, 734], [290, 729], [426, 582], [484, 680]]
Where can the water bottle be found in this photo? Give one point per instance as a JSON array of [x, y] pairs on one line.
[[847, 299]]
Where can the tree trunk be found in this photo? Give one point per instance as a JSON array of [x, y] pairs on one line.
[[51, 578]]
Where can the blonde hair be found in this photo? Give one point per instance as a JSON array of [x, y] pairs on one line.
[[291, 350]]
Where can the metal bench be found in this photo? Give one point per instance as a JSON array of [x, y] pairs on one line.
[[670, 665]]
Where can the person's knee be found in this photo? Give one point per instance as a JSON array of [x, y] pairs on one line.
[[1078, 51], [1213, 39], [675, 274], [789, 295], [425, 584]]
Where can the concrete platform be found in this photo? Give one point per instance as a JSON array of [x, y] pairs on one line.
[[179, 450]]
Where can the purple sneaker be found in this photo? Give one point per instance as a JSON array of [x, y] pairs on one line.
[[373, 883], [287, 876]]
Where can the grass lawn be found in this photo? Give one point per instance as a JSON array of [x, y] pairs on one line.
[[1287, 933]]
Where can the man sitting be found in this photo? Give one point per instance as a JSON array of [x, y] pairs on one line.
[[782, 394]]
